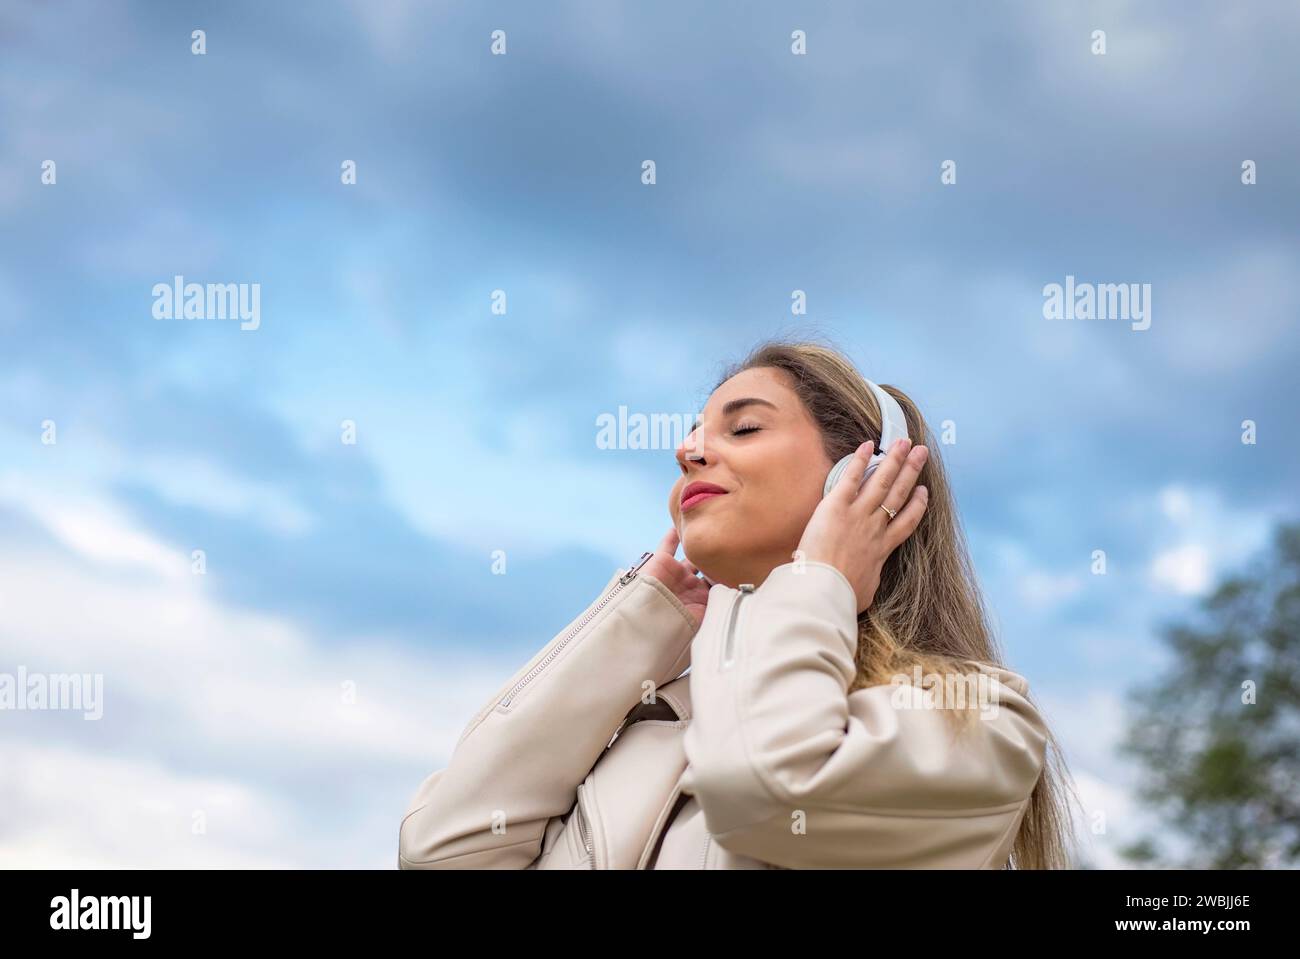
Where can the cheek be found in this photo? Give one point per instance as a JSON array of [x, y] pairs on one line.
[[674, 498], [781, 497], [780, 475]]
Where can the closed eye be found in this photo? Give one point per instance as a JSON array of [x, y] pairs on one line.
[[745, 429]]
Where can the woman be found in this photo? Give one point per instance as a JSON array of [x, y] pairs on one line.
[[827, 638]]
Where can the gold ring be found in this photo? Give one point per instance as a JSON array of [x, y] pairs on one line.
[[892, 512]]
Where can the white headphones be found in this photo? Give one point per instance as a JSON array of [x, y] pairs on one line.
[[893, 427]]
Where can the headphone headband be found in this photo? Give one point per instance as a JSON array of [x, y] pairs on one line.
[[893, 424]]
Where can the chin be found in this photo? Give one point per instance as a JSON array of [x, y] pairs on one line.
[[709, 550], [700, 548]]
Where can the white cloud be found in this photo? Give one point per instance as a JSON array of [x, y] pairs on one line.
[[164, 241], [232, 679], [92, 528], [1176, 503], [522, 490], [42, 485], [194, 480], [74, 808], [1089, 724], [1184, 569], [887, 164], [1226, 317], [1045, 590], [395, 27], [1107, 821], [1150, 51], [1203, 539], [1035, 586], [246, 698]]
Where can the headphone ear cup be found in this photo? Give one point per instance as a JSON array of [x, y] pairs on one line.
[[833, 477], [838, 470]]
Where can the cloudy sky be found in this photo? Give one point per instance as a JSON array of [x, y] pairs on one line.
[[366, 567]]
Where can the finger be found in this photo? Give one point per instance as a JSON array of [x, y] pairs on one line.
[[846, 487], [909, 517], [883, 478], [669, 543], [906, 479]]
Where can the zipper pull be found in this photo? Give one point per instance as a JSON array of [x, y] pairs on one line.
[[729, 639], [627, 577]]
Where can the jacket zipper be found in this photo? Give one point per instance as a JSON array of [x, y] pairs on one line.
[[729, 646], [584, 831], [564, 641]]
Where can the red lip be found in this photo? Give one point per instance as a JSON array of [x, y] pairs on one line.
[[698, 492]]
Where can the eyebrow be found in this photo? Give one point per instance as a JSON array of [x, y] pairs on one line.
[[732, 405]]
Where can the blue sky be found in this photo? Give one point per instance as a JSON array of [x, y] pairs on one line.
[[370, 563]]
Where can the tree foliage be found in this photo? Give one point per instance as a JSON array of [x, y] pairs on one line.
[[1217, 735]]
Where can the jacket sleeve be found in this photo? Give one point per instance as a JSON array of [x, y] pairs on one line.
[[790, 769], [520, 760]]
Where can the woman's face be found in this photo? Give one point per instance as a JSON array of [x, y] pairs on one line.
[[767, 456]]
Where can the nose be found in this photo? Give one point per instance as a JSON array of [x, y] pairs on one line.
[[692, 449]]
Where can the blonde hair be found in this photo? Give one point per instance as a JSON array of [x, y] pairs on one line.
[[928, 611]]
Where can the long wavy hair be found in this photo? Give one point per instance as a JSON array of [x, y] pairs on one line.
[[928, 610]]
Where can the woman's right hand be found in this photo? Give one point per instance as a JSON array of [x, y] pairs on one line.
[[680, 576]]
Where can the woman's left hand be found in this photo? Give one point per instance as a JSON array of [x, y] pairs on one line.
[[851, 532]]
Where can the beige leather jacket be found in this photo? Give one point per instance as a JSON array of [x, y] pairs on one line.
[[601, 753]]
